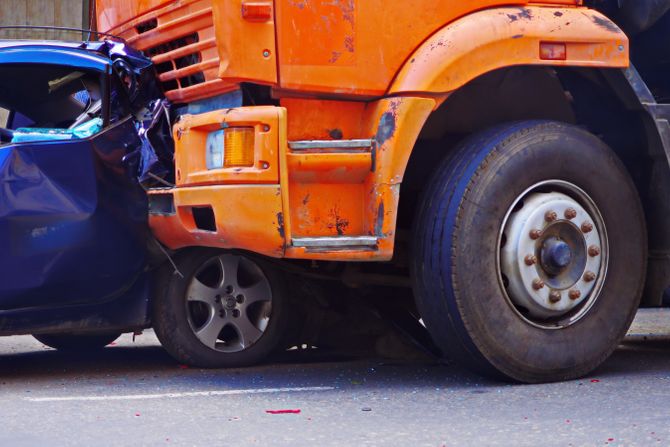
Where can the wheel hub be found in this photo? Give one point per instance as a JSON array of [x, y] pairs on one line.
[[230, 302], [553, 254]]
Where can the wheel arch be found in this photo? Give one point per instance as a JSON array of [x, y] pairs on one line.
[[501, 37]]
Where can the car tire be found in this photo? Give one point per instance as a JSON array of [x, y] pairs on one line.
[[516, 303], [221, 309], [76, 342]]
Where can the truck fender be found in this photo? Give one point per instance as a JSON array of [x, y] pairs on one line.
[[503, 37]]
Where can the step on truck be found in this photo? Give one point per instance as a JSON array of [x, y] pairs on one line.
[[503, 158]]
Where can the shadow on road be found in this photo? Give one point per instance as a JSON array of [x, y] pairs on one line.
[[38, 365]]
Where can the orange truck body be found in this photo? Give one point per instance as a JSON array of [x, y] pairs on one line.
[[355, 81]]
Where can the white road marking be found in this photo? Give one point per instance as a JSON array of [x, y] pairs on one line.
[[179, 395]]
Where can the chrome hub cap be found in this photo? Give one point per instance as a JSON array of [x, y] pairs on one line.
[[553, 254]]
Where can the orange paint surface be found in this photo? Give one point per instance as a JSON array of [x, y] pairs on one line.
[[356, 47], [247, 216], [491, 39], [372, 70]]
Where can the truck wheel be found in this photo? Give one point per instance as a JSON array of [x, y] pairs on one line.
[[226, 311], [76, 342], [530, 252]]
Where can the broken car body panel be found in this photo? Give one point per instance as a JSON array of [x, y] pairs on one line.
[[73, 218]]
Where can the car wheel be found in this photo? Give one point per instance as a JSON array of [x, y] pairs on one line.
[[529, 255], [227, 310], [76, 342]]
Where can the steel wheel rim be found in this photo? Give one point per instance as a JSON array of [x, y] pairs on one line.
[[228, 303], [591, 279]]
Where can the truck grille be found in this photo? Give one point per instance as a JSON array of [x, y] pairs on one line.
[[180, 40]]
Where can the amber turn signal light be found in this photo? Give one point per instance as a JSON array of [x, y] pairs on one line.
[[238, 147]]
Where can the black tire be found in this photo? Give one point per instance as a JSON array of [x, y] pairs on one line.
[[174, 324], [456, 247], [76, 342]]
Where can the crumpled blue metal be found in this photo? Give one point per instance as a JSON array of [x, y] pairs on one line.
[[73, 223]]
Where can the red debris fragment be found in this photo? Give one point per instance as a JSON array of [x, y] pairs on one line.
[[595, 380], [112, 344], [297, 411], [183, 366], [137, 414], [610, 439]]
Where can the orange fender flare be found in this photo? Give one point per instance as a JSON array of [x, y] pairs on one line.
[[503, 37]]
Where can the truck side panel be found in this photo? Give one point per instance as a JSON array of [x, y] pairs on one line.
[[356, 47]]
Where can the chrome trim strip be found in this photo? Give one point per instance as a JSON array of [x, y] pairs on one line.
[[330, 144], [338, 241]]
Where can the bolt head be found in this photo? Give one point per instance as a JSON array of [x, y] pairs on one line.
[[555, 296], [535, 234], [589, 276], [266, 53], [574, 294], [538, 284], [587, 227], [530, 260], [570, 213], [550, 216], [594, 251]]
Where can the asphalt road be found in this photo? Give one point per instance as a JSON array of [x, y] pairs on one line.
[[132, 393]]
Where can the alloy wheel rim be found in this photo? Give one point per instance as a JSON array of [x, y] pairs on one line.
[[228, 303]]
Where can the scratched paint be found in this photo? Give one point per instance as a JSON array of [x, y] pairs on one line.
[[330, 26]]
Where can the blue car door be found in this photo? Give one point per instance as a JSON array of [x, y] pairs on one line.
[[73, 222]]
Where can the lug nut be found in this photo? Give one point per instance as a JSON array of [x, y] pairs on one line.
[[538, 284], [550, 216], [535, 234], [594, 251], [587, 227], [589, 276], [530, 260], [555, 296], [570, 213], [574, 294]]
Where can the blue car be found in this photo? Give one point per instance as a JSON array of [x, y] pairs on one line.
[[76, 123]]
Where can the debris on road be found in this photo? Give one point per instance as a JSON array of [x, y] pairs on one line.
[[296, 411]]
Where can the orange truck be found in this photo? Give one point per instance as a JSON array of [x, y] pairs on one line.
[[501, 157]]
